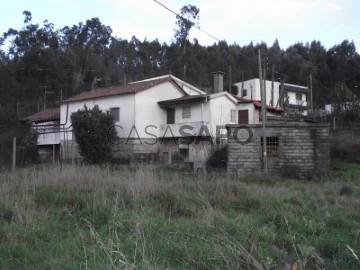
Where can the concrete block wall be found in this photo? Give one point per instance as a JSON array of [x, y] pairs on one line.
[[303, 151]]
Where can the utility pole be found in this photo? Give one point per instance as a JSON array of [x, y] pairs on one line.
[[272, 85], [229, 78], [242, 85], [45, 93], [264, 74], [263, 112], [44, 96], [311, 94], [14, 155]]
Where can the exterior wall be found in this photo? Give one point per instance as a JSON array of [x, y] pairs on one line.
[[220, 112], [48, 132], [124, 102], [137, 111], [199, 113], [294, 101], [253, 90], [253, 113], [196, 152], [148, 112], [69, 148], [253, 93], [304, 151]]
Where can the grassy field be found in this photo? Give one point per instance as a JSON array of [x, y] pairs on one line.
[[157, 218]]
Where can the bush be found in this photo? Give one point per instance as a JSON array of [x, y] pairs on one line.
[[93, 134]]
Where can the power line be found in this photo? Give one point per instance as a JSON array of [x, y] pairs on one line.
[[178, 15], [240, 53]]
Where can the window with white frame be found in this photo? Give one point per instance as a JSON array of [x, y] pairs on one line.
[[186, 112], [115, 113], [233, 115]]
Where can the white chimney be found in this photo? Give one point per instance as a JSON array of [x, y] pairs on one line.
[[218, 81]]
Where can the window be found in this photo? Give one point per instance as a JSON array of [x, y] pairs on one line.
[[170, 116], [186, 112], [244, 92], [272, 144], [115, 113], [233, 116]]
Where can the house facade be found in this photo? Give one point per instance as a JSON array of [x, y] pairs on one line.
[[162, 118], [292, 98]]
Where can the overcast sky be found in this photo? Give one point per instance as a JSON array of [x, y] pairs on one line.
[[241, 21]]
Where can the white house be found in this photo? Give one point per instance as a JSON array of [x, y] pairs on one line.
[[163, 117], [294, 97]]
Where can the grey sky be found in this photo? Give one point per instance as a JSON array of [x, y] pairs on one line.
[[242, 21]]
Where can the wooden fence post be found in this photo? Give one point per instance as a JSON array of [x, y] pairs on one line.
[[14, 155]]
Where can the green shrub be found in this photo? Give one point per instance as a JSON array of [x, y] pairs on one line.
[[93, 134]]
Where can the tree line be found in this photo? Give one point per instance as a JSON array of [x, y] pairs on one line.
[[40, 65]]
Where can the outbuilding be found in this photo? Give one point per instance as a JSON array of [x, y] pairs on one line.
[[296, 149]]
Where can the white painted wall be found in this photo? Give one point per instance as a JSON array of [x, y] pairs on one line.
[[148, 112], [48, 132], [293, 100], [253, 90], [253, 117], [197, 113], [220, 112], [125, 102]]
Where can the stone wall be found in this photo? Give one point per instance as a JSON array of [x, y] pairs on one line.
[[302, 150]]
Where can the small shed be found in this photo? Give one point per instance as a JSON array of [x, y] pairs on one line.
[[296, 149]]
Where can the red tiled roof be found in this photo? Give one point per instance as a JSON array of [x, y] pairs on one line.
[[257, 103], [43, 116], [121, 89]]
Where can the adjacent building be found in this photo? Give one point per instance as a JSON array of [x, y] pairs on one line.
[[47, 124], [289, 97]]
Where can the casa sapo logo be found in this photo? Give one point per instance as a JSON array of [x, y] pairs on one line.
[[241, 134]]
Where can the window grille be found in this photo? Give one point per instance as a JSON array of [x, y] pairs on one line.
[[272, 145]]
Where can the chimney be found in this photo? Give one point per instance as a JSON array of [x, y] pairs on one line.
[[218, 81]]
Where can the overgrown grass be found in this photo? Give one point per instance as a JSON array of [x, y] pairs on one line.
[[149, 218]]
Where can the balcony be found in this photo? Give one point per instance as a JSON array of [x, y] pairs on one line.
[[48, 138], [186, 129], [48, 132]]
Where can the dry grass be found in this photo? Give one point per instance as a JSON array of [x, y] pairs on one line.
[[156, 218]]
